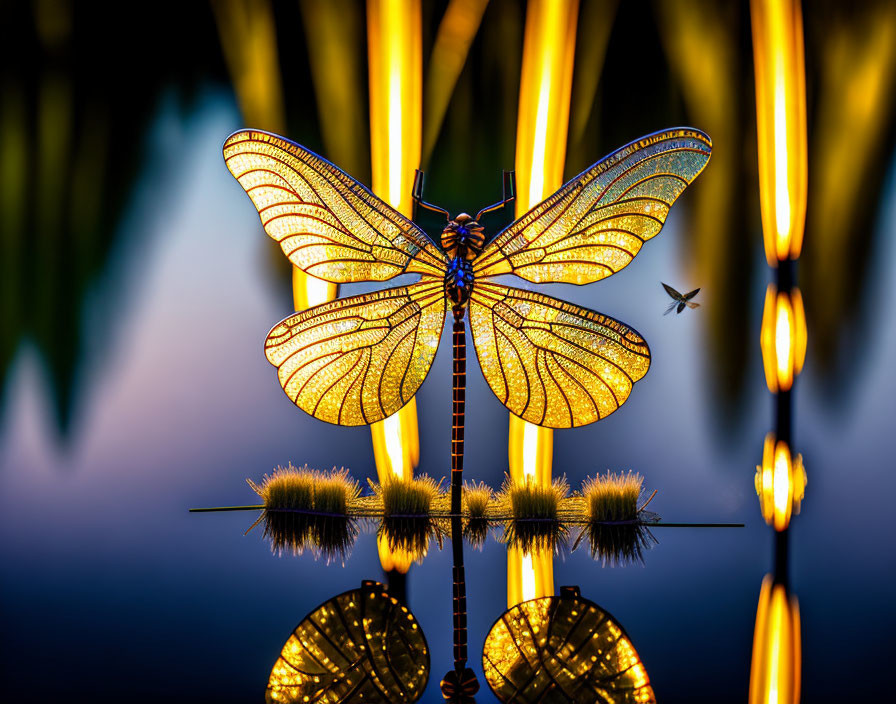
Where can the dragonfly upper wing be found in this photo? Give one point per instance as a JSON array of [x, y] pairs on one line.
[[672, 292], [553, 363], [596, 223], [328, 224], [689, 296], [358, 360]]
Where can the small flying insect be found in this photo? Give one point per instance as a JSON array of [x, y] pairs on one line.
[[680, 300]]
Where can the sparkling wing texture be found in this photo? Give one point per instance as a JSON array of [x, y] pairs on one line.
[[563, 649], [360, 646], [553, 363], [328, 224], [357, 360], [596, 223]]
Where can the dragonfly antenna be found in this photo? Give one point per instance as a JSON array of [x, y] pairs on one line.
[[508, 195], [418, 196]]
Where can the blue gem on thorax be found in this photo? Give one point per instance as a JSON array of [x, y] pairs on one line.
[[459, 280], [456, 273]]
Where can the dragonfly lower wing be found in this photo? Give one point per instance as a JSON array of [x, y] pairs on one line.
[[358, 360], [553, 363]]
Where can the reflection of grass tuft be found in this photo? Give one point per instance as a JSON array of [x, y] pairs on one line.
[[615, 533], [475, 501], [533, 513], [309, 509], [408, 507], [618, 544]]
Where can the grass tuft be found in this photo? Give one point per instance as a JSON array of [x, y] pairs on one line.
[[408, 505], [613, 497], [287, 488], [534, 514], [476, 499], [309, 509]]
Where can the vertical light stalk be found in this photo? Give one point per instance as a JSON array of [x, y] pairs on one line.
[[542, 124], [777, 650], [781, 124], [395, 63], [780, 481]]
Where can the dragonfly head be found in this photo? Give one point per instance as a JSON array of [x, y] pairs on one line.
[[463, 237]]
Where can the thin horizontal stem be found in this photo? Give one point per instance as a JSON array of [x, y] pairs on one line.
[[695, 525], [227, 508], [443, 515]]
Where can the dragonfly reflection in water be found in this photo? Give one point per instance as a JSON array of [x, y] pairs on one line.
[[364, 645]]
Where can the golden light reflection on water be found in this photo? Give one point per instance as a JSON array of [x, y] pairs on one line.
[[776, 668], [783, 337], [543, 119], [780, 483]]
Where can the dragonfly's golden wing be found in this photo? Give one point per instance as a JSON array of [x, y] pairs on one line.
[[358, 360], [328, 224], [553, 363], [596, 223]]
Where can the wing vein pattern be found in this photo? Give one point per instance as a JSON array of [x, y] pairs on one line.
[[597, 222], [327, 224], [586, 363], [358, 360]]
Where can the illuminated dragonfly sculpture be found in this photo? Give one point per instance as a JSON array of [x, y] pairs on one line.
[[358, 360]]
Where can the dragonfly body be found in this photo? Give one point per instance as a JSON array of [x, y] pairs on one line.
[[462, 240]]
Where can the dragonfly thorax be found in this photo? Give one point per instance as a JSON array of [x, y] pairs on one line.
[[463, 237], [459, 282]]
